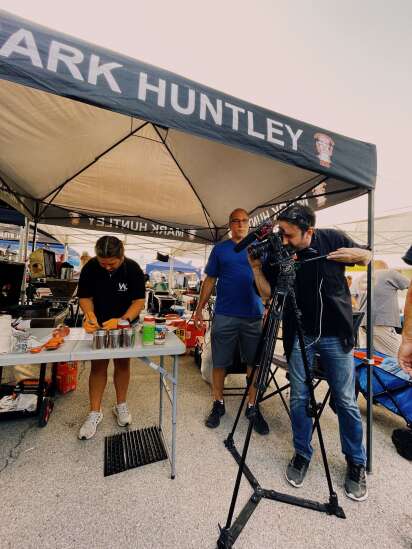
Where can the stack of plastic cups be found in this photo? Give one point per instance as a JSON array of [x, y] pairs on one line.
[[5, 334], [148, 330]]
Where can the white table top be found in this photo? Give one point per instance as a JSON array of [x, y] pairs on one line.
[[62, 354], [75, 347]]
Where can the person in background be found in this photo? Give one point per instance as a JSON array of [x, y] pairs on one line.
[[84, 258], [386, 313], [405, 349], [354, 301], [111, 287], [238, 316]]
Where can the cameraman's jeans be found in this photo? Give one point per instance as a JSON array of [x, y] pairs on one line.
[[339, 370]]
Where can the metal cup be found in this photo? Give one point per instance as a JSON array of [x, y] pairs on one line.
[[99, 339], [114, 339], [127, 337]]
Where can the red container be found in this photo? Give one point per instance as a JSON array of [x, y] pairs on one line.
[[192, 333], [66, 376], [180, 324]]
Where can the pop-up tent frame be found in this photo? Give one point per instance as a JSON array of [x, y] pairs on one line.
[[88, 136]]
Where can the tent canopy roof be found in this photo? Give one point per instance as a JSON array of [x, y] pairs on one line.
[[92, 134]]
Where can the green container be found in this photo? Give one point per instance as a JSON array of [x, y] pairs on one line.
[[148, 333]]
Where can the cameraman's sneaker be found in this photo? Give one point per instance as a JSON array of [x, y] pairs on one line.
[[355, 482], [89, 427], [296, 470], [213, 419], [121, 411]]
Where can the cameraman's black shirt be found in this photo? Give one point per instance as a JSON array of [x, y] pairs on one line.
[[112, 293], [322, 292]]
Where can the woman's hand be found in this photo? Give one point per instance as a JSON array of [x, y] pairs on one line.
[[90, 323], [111, 324]]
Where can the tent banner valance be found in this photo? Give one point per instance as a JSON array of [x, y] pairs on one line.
[[52, 215]]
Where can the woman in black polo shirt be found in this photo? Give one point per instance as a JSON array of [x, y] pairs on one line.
[[111, 287]]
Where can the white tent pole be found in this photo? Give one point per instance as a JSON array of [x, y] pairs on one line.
[[170, 281], [24, 237]]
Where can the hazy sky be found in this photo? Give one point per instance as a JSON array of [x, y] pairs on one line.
[[344, 65]]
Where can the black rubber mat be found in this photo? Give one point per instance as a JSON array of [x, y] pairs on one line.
[[131, 449]]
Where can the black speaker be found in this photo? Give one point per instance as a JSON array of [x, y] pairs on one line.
[[162, 257]]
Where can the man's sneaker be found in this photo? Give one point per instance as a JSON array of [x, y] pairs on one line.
[[355, 482], [89, 427], [260, 425], [213, 419], [121, 411], [296, 470]]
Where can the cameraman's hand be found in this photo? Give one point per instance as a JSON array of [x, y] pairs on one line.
[[254, 262], [349, 255], [198, 319]]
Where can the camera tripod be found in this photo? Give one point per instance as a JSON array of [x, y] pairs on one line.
[[262, 367]]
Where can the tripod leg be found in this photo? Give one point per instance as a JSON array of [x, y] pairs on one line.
[[264, 356], [268, 328]]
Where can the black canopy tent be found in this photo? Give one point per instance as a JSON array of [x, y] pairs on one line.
[[89, 136]]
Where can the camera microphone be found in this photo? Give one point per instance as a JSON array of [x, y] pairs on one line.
[[258, 234]]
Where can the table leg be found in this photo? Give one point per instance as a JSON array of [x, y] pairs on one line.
[[53, 387], [40, 389], [174, 414], [161, 394]]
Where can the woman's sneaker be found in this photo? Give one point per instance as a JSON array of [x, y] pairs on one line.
[[355, 482], [89, 427], [121, 411]]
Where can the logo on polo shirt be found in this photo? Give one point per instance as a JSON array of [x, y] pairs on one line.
[[122, 287]]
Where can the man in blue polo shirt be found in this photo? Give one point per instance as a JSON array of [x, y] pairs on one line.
[[238, 315]]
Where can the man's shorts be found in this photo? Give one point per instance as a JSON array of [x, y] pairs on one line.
[[227, 331]]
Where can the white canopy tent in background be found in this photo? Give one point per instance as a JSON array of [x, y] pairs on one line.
[[140, 248], [392, 235]]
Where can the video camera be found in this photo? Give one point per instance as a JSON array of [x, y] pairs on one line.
[[265, 244]]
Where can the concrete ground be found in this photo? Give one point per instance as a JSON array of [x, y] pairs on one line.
[[54, 494]]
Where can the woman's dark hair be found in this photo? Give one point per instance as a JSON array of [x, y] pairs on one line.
[[109, 246], [302, 216]]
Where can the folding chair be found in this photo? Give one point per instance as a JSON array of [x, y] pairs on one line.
[[389, 390]]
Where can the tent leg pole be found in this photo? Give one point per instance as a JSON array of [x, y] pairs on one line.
[[369, 334], [33, 243], [24, 242]]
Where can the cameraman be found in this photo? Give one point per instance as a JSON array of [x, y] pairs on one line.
[[323, 297]]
